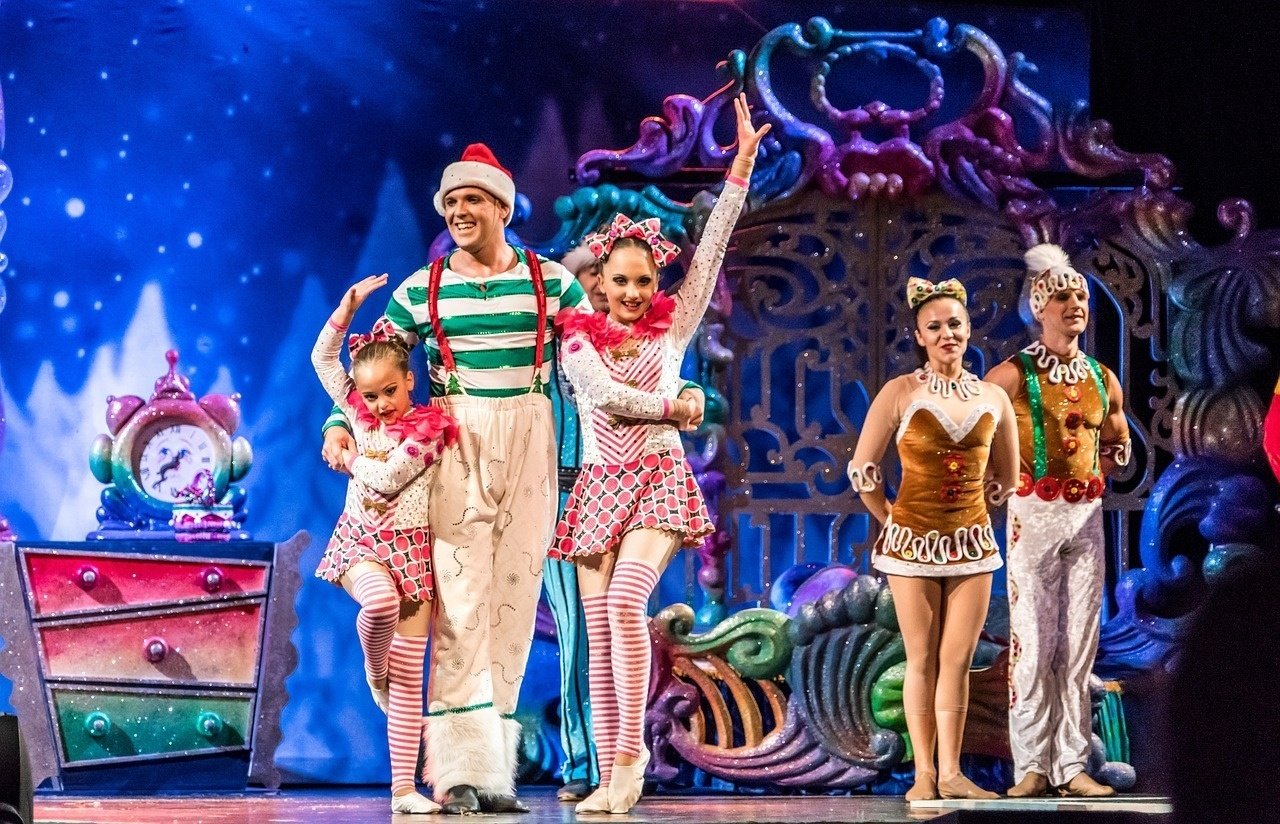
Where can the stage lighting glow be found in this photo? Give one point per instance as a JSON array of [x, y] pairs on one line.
[[75, 207], [195, 240]]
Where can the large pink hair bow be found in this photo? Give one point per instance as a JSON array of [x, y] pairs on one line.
[[382, 330], [649, 230]]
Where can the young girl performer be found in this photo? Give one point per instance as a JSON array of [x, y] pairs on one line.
[[380, 552], [635, 500], [937, 547]]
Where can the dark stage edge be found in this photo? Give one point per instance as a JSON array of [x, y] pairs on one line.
[[364, 804]]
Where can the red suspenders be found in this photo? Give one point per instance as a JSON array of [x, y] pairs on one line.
[[452, 385]]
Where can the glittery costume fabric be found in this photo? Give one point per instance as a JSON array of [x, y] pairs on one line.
[[492, 508], [385, 514], [634, 473], [1073, 415], [939, 524], [1055, 575], [1056, 567]]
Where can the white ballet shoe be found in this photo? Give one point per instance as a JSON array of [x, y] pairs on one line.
[[597, 802], [381, 695], [626, 785], [414, 803]]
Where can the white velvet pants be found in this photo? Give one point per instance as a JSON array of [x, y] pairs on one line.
[[492, 510], [1056, 567]]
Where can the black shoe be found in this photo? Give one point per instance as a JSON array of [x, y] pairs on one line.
[[575, 790], [502, 804], [460, 800]]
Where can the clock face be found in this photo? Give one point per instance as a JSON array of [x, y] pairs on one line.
[[176, 460]]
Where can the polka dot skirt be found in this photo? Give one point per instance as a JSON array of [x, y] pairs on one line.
[[608, 501], [406, 553]]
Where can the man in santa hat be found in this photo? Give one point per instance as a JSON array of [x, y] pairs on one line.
[[1073, 433], [484, 313]]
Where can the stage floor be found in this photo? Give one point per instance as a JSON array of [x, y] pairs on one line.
[[358, 805]]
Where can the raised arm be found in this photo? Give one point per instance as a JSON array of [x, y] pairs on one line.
[[407, 461], [400, 319], [877, 430], [694, 293], [1115, 445], [592, 382], [1003, 468], [324, 355]]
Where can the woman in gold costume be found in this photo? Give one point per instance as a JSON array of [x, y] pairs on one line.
[[958, 444]]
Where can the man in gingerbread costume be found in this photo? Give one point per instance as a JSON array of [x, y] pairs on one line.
[[483, 313], [1072, 433]]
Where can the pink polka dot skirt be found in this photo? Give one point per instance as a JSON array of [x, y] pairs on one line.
[[406, 553], [608, 501]]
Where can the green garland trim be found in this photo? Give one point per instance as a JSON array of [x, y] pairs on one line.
[[488, 705], [1036, 402]]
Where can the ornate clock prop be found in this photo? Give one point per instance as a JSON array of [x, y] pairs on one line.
[[171, 462]]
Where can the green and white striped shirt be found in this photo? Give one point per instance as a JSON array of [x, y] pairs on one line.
[[490, 324]]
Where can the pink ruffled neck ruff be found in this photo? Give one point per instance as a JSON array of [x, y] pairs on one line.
[[421, 423], [606, 332]]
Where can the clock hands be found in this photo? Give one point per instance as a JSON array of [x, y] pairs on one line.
[[170, 466]]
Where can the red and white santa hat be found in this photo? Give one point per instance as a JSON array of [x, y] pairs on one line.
[[478, 167]]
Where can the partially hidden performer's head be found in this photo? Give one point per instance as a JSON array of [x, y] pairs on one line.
[[381, 373], [1057, 294], [586, 268], [630, 254], [477, 197], [941, 319]]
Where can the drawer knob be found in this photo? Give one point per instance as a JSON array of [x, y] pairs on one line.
[[212, 580], [87, 576], [155, 649], [209, 724], [97, 724]]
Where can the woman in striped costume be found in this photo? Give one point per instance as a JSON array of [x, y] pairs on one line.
[[635, 501], [380, 552]]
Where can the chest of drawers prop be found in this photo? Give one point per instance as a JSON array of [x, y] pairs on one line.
[[150, 665]]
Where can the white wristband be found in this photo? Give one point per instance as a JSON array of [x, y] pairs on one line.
[[866, 478]]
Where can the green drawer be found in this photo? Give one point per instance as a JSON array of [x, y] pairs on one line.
[[116, 724]]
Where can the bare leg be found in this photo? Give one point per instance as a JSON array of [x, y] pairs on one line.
[[964, 610], [918, 605]]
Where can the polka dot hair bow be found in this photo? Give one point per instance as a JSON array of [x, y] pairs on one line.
[[919, 290], [382, 330], [649, 230]]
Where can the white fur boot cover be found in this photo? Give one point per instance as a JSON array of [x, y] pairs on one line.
[[468, 748], [511, 732]]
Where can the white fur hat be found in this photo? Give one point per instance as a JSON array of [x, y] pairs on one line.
[[478, 167]]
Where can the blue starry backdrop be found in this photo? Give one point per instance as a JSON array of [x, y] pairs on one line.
[[210, 175]]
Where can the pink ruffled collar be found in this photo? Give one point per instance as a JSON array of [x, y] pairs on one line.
[[606, 333], [421, 423]]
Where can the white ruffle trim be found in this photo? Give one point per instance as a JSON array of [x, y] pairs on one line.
[[966, 551]]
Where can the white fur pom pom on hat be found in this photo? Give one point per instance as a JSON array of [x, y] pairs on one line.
[[1051, 271], [1047, 257]]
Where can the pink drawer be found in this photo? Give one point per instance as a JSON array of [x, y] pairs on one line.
[[206, 644], [69, 582]]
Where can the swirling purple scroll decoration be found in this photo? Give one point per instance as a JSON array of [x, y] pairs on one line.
[[1209, 507], [6, 185], [977, 156]]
